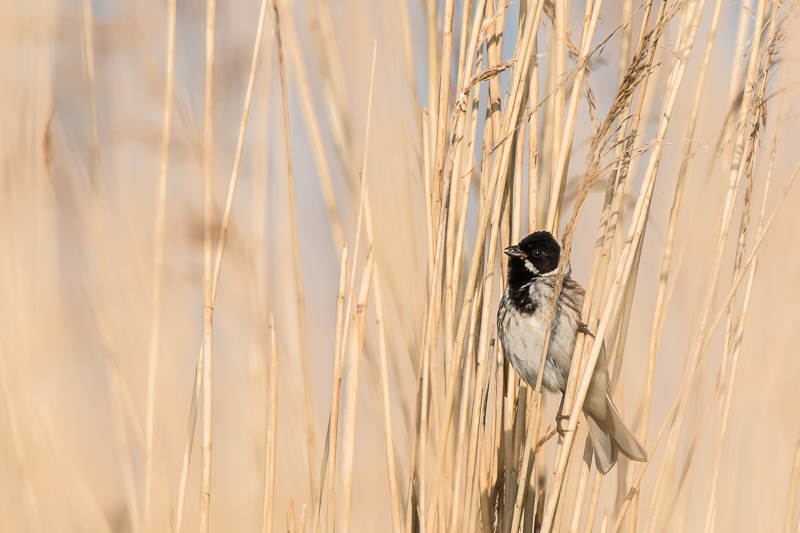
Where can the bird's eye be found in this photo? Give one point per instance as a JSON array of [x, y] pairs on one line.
[[537, 254]]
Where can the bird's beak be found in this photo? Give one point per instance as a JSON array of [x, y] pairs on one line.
[[514, 251]]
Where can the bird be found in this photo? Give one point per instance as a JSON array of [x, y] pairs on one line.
[[522, 318]]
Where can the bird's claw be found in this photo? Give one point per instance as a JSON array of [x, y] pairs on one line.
[[560, 418]]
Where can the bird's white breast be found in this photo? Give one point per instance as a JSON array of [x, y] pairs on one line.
[[522, 335]]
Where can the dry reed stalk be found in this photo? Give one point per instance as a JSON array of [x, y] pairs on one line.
[[496, 439], [87, 40], [602, 244], [625, 147], [158, 257], [258, 364], [660, 307], [198, 378], [117, 396], [623, 273], [21, 455], [499, 168], [723, 406], [343, 329], [634, 489], [480, 483], [583, 485], [213, 282], [433, 359], [559, 36], [388, 434], [743, 271], [312, 123], [455, 237], [697, 418], [335, 92], [534, 423], [685, 384], [189, 441], [532, 112], [408, 56], [510, 459], [208, 304], [591, 510], [384, 371], [431, 23], [446, 415], [564, 144], [724, 137], [463, 113], [351, 391], [291, 521], [493, 59], [561, 153], [272, 434], [310, 444], [165, 483], [469, 89], [443, 93], [604, 523], [219, 253], [424, 378], [116, 383], [472, 475], [698, 348], [462, 426], [483, 347], [426, 170], [516, 193], [524, 403], [680, 496], [791, 498], [462, 43], [301, 526], [333, 420]]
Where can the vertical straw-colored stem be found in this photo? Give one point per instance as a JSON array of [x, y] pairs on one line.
[[723, 405], [158, 255], [312, 123], [431, 21], [734, 180], [444, 91], [226, 216], [301, 525], [791, 498], [621, 278], [559, 65], [388, 435], [291, 519], [116, 383], [565, 144], [671, 231], [310, 445], [333, 424], [351, 391], [208, 304], [272, 435], [533, 142]]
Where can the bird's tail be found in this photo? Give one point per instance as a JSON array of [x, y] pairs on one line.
[[610, 437]]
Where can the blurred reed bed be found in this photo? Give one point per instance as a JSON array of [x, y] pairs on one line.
[[347, 175]]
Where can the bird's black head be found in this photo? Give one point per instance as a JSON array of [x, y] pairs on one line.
[[535, 255]]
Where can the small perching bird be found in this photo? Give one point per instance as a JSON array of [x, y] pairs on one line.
[[522, 320]]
